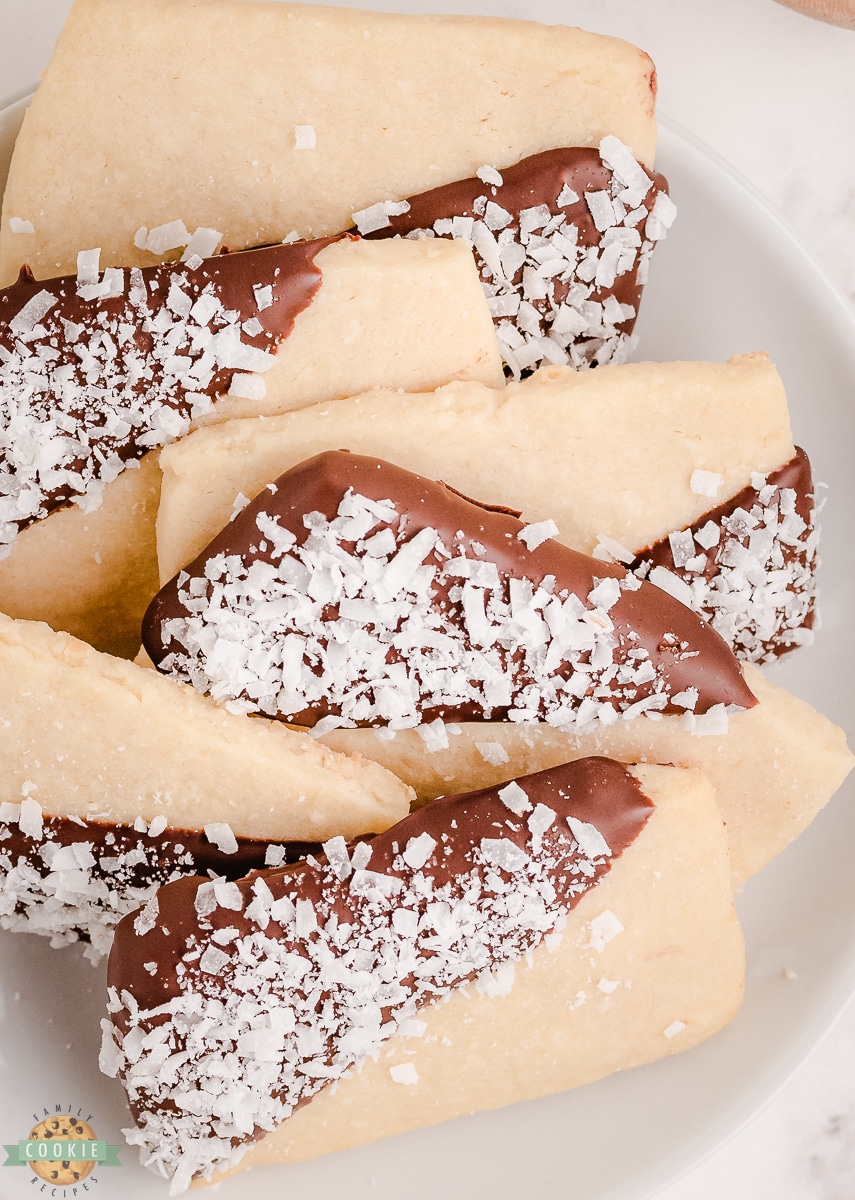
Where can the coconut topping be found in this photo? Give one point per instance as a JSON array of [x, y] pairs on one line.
[[98, 369], [69, 879], [562, 242], [748, 567], [376, 609], [260, 1001]]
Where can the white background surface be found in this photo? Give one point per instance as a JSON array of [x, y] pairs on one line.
[[774, 93]]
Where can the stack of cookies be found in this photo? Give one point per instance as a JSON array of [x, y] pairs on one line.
[[411, 630]]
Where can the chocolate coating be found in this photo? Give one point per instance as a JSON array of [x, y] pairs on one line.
[[538, 179], [682, 648], [789, 560], [184, 850], [112, 868], [89, 368], [597, 790], [535, 181]]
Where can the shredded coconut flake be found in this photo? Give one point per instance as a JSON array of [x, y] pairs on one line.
[[219, 834], [609, 548], [536, 534], [304, 137], [30, 820], [405, 1073], [604, 928], [490, 175], [591, 842], [515, 798], [418, 850], [169, 236], [376, 216], [240, 503], [202, 244], [662, 578], [705, 483], [248, 386], [493, 753], [147, 918]]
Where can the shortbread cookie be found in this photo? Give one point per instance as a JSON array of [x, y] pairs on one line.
[[286, 144], [352, 592], [291, 625], [99, 370], [607, 454], [612, 882], [89, 742], [562, 241], [773, 767], [697, 453]]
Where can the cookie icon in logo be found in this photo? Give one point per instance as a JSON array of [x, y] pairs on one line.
[[62, 1172]]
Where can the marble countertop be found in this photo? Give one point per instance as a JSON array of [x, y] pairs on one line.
[[773, 93]]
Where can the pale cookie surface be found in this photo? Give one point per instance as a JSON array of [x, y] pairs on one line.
[[90, 574], [88, 735], [773, 767], [650, 962], [123, 99], [398, 314], [610, 452]]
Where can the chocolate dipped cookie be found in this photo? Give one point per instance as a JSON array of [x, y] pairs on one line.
[[381, 988], [774, 767], [562, 241], [533, 146]]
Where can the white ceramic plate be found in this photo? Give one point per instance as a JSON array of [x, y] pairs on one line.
[[729, 279]]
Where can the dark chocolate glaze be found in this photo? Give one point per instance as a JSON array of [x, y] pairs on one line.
[[289, 270], [187, 850], [529, 183], [599, 791], [795, 475], [682, 647], [153, 860]]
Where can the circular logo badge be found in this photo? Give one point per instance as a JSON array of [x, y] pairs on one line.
[[62, 1150], [62, 1171]]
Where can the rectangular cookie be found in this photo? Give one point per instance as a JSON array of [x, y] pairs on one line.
[[356, 314], [647, 961], [686, 472], [131, 120]]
